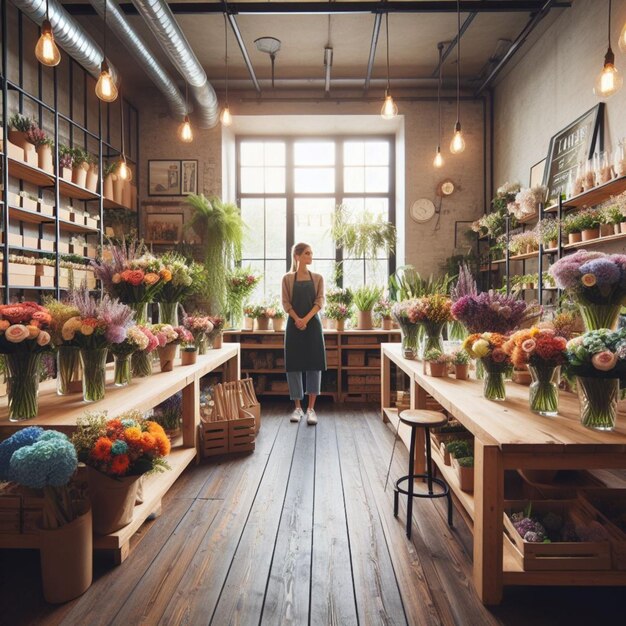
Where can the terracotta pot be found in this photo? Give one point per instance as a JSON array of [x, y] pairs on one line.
[[79, 175], [438, 370], [248, 323], [188, 357], [278, 323], [622, 228], [217, 341], [18, 138], [616, 229], [553, 244], [92, 178], [262, 323], [118, 190], [30, 155], [364, 320], [167, 354], [67, 559], [340, 325], [66, 174], [44, 157], [590, 233], [108, 187], [606, 230], [574, 238], [461, 371], [465, 475], [112, 501], [387, 323], [126, 194]]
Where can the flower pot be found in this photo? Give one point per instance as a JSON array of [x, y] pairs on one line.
[[44, 158], [521, 376], [606, 230], [67, 559], [340, 325], [387, 323], [92, 179], [126, 194], [30, 155], [278, 323], [107, 187], [18, 138], [616, 229], [553, 244], [216, 343], [22, 376], [248, 323], [364, 320], [262, 323], [188, 357], [69, 373], [167, 354], [465, 476], [112, 500], [118, 190], [461, 372], [574, 238], [590, 233], [544, 390], [438, 370], [79, 175]]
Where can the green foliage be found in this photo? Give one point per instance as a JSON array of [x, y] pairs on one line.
[[460, 358], [363, 237], [366, 297], [465, 461], [80, 156], [21, 123], [613, 215], [406, 282], [436, 356], [459, 448], [548, 230]]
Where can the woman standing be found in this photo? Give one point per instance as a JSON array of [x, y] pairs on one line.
[[303, 298]]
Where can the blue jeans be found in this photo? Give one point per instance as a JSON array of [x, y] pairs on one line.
[[313, 384]]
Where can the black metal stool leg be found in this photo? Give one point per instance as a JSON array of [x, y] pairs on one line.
[[395, 502], [409, 504], [449, 509]]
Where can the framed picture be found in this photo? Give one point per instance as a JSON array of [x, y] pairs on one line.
[[536, 173], [164, 228], [573, 145], [164, 178], [189, 173]]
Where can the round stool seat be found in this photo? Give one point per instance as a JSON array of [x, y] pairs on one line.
[[420, 417]]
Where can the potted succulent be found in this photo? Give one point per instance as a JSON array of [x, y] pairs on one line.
[[66, 162], [80, 167], [461, 360], [437, 362], [339, 313], [465, 471], [365, 298], [383, 309]]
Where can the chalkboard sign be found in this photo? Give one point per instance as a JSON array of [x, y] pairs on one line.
[[571, 146]]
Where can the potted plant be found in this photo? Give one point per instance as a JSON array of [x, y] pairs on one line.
[[200, 326], [456, 448], [276, 313], [66, 162], [260, 316], [80, 166], [465, 471], [91, 182], [339, 313], [47, 460], [19, 126], [549, 232], [365, 298], [437, 362], [572, 227], [215, 336], [461, 360], [614, 217], [117, 452], [188, 354], [383, 310], [169, 338], [44, 146], [590, 221], [248, 319]]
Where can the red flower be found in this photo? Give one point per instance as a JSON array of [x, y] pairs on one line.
[[19, 313], [119, 464], [133, 277]]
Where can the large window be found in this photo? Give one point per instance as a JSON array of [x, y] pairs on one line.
[[288, 191]]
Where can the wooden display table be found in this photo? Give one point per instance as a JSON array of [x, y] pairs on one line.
[[508, 436], [61, 413]]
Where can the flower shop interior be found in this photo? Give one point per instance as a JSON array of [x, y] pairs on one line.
[[456, 168]]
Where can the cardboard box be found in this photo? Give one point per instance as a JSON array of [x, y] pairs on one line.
[[44, 281], [29, 204], [44, 270], [46, 209], [65, 214], [31, 242], [46, 245], [15, 152], [21, 269], [64, 247]]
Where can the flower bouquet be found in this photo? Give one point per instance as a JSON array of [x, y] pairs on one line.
[[432, 312], [543, 352], [598, 360], [117, 452], [240, 283], [141, 360], [178, 283], [215, 336], [200, 326], [488, 347], [382, 309], [168, 338], [596, 282], [136, 340], [258, 313], [339, 313], [405, 314], [277, 314], [23, 339]]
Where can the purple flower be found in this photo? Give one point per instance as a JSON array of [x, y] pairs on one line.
[[605, 271]]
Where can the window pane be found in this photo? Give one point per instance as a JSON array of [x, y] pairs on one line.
[[252, 153], [352, 273], [324, 267], [252, 213], [275, 180], [314, 153], [314, 180], [378, 206], [274, 272], [313, 218], [274, 153], [354, 179], [252, 180], [276, 229], [376, 153], [376, 179], [354, 153], [376, 272]]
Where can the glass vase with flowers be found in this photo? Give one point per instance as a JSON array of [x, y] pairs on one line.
[[200, 326], [488, 347]]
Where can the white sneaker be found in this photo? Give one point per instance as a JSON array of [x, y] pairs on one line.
[[296, 415], [311, 417]]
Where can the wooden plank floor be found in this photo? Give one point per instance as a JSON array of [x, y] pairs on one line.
[[299, 532]]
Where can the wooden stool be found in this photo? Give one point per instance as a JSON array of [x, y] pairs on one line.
[[416, 418]]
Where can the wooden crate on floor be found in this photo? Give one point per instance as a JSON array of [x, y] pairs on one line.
[[227, 436]]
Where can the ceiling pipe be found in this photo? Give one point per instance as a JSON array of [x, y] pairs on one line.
[[468, 20], [244, 51], [168, 33], [328, 64], [378, 18], [68, 34], [118, 23]]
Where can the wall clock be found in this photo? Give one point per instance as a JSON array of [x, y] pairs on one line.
[[447, 188], [422, 210]]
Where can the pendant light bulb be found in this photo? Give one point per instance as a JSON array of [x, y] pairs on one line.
[[609, 81], [185, 134], [457, 145], [46, 49], [438, 161], [390, 109], [123, 171], [106, 89], [225, 117]]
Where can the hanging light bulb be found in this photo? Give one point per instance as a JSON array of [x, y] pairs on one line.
[[438, 160], [106, 89], [225, 117], [123, 171], [185, 134], [609, 81], [457, 145], [390, 109], [46, 49]]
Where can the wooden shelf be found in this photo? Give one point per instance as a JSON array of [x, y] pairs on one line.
[[360, 346], [26, 215], [597, 240], [26, 249], [71, 190], [597, 194], [28, 173], [528, 218], [521, 257], [260, 346], [72, 227], [111, 204]]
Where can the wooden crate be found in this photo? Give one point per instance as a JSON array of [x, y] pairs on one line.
[[561, 556], [356, 358], [241, 435], [361, 339], [227, 436], [372, 379]]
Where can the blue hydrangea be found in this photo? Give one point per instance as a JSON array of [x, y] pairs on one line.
[[47, 462], [119, 447], [128, 422], [21, 438]]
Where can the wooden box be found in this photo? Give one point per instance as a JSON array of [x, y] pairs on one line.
[[29, 204], [64, 214], [241, 434], [360, 339], [30, 242], [227, 436], [373, 361], [22, 269], [44, 270], [372, 380], [91, 222], [46, 209], [14, 199], [213, 438], [587, 555], [355, 380], [64, 247], [44, 281], [356, 358], [46, 245], [332, 357]]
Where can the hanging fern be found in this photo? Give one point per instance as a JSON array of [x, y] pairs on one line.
[[364, 236]]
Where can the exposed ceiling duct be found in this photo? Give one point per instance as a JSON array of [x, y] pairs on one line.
[[165, 28], [68, 34], [118, 23]]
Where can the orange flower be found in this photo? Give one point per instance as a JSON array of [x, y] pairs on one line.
[[4, 324], [148, 442], [102, 449], [163, 444], [132, 435], [119, 464], [166, 275], [155, 428], [151, 278]]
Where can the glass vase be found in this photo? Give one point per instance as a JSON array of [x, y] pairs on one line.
[[22, 376], [141, 311], [410, 335], [94, 373], [201, 342], [493, 383], [168, 313], [544, 389], [598, 402], [431, 339], [598, 316], [69, 373], [123, 371], [141, 363]]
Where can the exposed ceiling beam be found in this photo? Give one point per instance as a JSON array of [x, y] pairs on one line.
[[378, 18], [446, 53], [518, 43], [363, 6], [244, 51]]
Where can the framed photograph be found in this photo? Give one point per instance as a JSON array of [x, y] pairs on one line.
[[573, 145], [536, 173], [164, 228], [189, 173], [164, 178]]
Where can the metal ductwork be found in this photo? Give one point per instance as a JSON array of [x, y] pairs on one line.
[[67, 33], [118, 23], [165, 28]]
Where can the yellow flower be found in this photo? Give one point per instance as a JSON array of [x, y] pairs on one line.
[[151, 278], [481, 348], [166, 275], [33, 331]]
